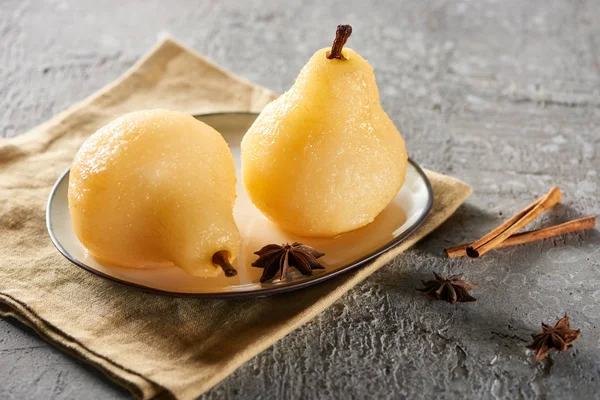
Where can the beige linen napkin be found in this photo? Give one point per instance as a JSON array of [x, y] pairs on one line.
[[156, 346]]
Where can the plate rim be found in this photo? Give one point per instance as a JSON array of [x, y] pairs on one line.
[[243, 294]]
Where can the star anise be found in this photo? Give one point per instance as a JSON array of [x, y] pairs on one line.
[[559, 338], [452, 289], [274, 258]]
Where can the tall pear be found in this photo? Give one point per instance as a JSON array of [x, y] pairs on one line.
[[324, 158], [156, 188]]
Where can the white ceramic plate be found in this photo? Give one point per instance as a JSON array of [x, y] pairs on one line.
[[406, 212]]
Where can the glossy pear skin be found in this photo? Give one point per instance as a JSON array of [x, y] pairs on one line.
[[155, 188], [324, 158]]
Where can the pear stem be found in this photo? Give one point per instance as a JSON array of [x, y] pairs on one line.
[[342, 34], [221, 259]]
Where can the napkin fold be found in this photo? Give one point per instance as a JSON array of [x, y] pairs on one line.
[[156, 346]]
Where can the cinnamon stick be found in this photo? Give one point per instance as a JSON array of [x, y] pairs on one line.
[[517, 222], [531, 236]]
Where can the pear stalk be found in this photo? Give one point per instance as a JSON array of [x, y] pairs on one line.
[[221, 259], [342, 34]]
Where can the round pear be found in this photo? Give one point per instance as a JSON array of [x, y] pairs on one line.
[[156, 188]]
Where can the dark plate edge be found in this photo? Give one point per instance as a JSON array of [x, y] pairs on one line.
[[254, 293]]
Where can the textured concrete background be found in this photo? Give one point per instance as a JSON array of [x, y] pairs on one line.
[[502, 94]]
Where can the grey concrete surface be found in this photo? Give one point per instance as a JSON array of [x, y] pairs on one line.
[[502, 94]]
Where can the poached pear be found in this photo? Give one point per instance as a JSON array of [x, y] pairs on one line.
[[156, 188], [324, 158]]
